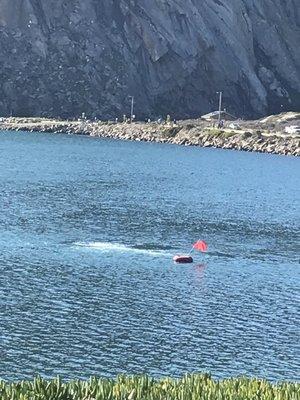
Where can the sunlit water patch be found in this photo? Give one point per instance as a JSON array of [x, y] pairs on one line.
[[107, 247]]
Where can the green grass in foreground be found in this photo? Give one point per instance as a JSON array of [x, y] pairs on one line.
[[190, 387]]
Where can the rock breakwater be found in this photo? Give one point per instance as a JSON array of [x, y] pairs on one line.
[[266, 136]]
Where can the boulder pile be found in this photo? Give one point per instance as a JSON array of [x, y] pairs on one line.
[[179, 134]]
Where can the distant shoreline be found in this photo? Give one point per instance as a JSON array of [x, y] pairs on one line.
[[267, 135]]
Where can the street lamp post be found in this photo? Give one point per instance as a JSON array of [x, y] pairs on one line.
[[220, 107], [131, 111]]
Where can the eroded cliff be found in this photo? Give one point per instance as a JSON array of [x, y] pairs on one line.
[[63, 57]]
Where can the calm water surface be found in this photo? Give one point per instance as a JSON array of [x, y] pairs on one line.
[[88, 228]]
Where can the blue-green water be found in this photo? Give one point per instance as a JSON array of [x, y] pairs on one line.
[[88, 229]]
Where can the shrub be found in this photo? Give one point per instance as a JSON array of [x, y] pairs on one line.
[[190, 387]]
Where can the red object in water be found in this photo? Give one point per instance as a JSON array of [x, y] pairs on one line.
[[200, 245], [183, 259]]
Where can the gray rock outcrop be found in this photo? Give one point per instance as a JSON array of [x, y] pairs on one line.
[[65, 57]]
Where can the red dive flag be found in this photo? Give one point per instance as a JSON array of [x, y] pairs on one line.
[[200, 245]]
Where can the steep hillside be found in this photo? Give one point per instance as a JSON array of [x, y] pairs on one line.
[[65, 57]]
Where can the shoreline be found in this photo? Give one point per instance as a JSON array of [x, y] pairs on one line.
[[264, 136]]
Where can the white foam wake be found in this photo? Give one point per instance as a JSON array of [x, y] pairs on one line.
[[121, 248]]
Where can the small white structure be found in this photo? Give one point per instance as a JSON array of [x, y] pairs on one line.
[[234, 125], [213, 116], [292, 129]]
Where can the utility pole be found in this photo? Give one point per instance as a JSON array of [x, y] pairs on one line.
[[131, 111], [220, 107]]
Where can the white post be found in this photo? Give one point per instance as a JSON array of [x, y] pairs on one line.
[[220, 108], [131, 112]]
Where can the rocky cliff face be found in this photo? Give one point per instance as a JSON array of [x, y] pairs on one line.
[[65, 57]]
